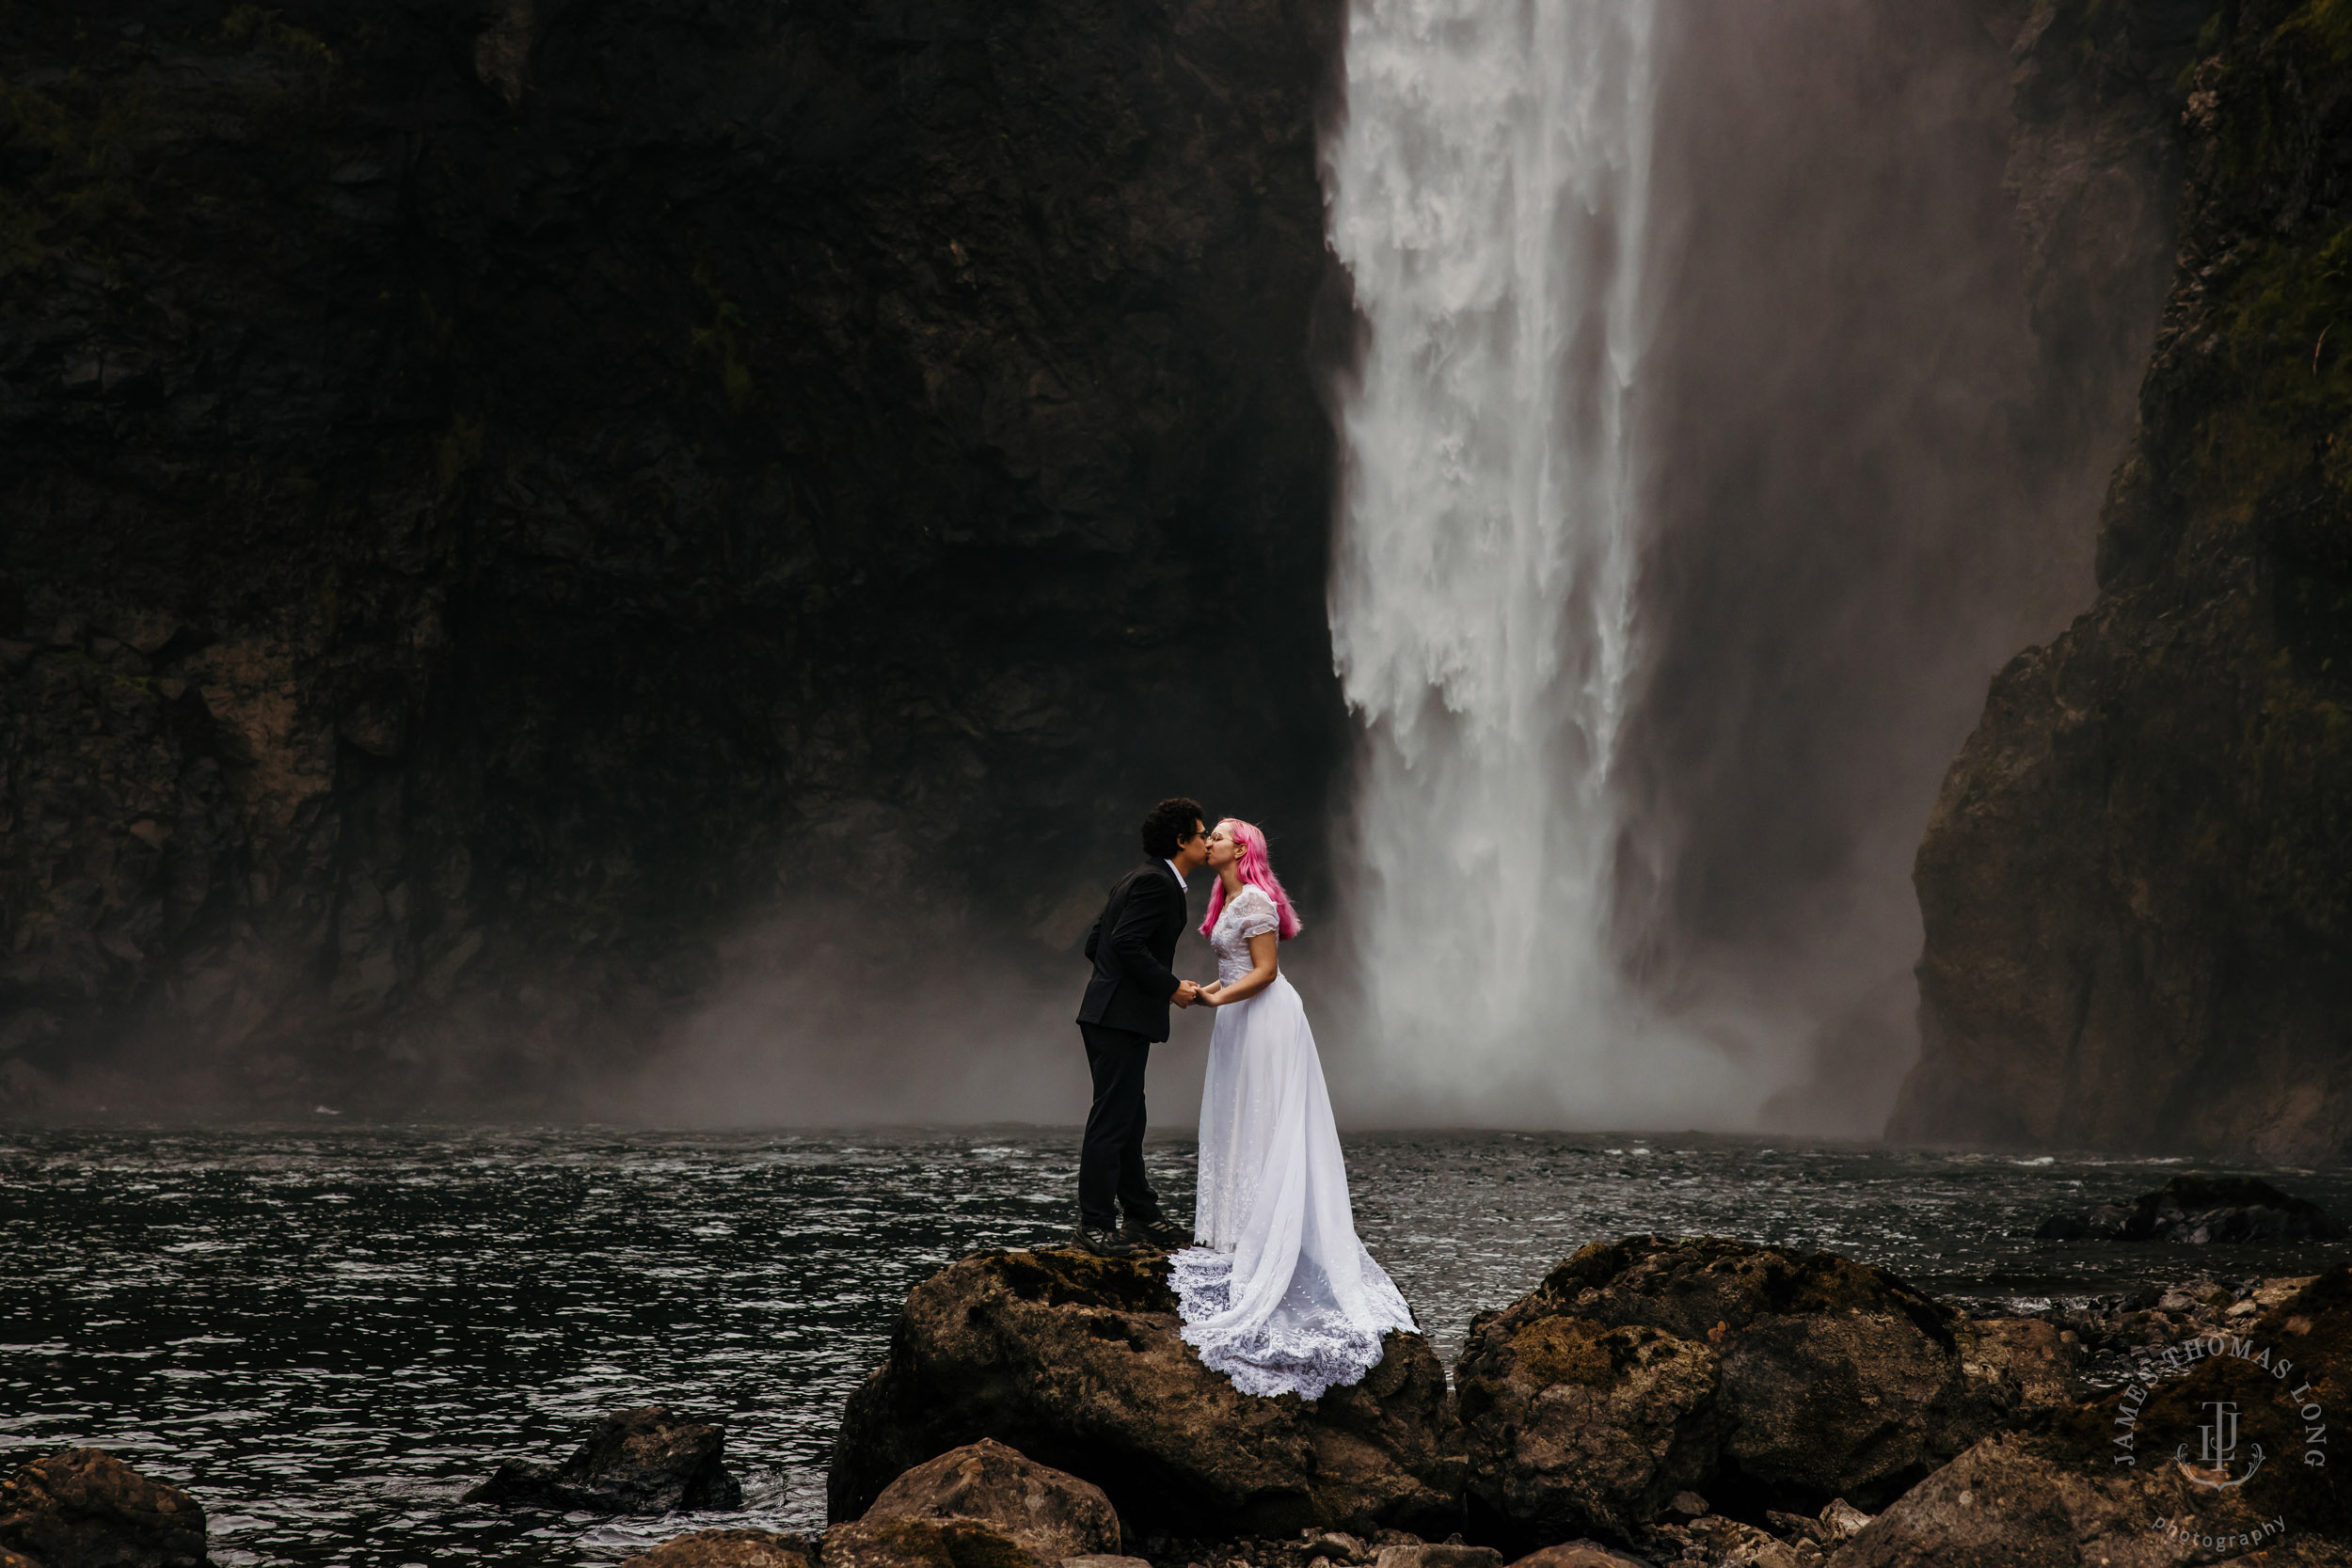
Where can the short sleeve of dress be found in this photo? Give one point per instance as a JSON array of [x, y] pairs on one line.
[[1253, 914]]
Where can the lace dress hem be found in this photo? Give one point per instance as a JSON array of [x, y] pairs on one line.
[[1263, 1360]]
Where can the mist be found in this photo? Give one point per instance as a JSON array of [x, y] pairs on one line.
[[1880, 430]]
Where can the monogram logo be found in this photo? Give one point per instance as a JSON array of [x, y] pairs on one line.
[[2217, 1450]]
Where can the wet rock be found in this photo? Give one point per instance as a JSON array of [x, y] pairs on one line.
[[2199, 1208], [1104, 1561], [729, 1548], [1076, 1361], [2124, 1480], [1646, 1367], [87, 1508], [645, 1461], [925, 1544], [2118, 1333], [1052, 1513]]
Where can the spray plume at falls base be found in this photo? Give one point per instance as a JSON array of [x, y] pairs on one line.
[[1489, 197]]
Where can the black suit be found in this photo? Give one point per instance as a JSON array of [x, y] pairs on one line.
[[1132, 946]]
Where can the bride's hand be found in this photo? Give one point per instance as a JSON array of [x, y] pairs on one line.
[[1209, 992]]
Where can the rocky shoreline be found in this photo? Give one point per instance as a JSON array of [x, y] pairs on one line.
[[1655, 1400]]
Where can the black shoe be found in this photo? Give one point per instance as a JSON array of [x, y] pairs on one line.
[[1157, 1232], [1086, 1238]]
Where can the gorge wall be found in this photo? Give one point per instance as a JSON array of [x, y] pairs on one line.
[[499, 496], [2137, 882]]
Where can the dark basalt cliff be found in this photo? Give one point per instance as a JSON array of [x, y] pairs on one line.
[[2138, 882], [494, 494]]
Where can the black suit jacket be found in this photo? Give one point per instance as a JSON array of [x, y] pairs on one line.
[[1132, 946]]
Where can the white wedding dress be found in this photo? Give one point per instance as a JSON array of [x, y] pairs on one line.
[[1277, 1293]]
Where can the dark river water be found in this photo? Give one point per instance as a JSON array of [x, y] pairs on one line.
[[328, 1335]]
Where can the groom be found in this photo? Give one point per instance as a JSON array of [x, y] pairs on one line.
[[1130, 946]]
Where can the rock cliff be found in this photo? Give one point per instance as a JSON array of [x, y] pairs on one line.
[[498, 492], [2136, 885]]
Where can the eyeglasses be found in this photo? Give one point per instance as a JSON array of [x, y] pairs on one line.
[[1197, 832]]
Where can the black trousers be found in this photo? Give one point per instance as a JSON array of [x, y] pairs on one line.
[[1111, 1162]]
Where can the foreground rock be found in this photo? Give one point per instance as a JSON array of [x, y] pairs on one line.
[[2199, 1208], [1712, 1541], [645, 1460], [2016, 1502], [1578, 1554], [729, 1548], [925, 1544], [1757, 1377], [2023, 1364], [87, 1508], [2123, 1481], [1444, 1554], [1051, 1513], [1074, 1361]]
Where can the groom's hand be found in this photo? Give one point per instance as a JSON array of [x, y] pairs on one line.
[[1185, 993]]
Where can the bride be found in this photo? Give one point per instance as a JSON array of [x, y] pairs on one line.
[[1277, 1293]]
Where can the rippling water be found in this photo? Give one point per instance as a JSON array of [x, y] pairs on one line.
[[329, 1336]]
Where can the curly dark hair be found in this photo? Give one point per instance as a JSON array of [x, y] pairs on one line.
[[1171, 823]]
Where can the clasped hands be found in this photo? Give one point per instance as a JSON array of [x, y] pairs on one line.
[[1188, 991]]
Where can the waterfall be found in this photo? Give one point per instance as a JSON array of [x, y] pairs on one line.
[[1488, 195]]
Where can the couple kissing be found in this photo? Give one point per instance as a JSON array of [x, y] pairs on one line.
[[1274, 1290]]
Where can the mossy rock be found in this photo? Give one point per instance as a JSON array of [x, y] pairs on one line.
[[1689, 1285], [925, 1543], [1757, 1376]]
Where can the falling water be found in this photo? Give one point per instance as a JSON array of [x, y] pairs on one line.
[[1489, 197]]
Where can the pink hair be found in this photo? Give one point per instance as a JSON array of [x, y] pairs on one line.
[[1257, 871]]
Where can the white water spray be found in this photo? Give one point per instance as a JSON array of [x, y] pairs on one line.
[[1489, 195]]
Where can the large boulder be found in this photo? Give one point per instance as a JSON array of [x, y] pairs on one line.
[[1076, 1361], [1052, 1513], [2199, 1208], [2135, 1481], [87, 1508], [1574, 1425], [643, 1461], [1760, 1377]]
